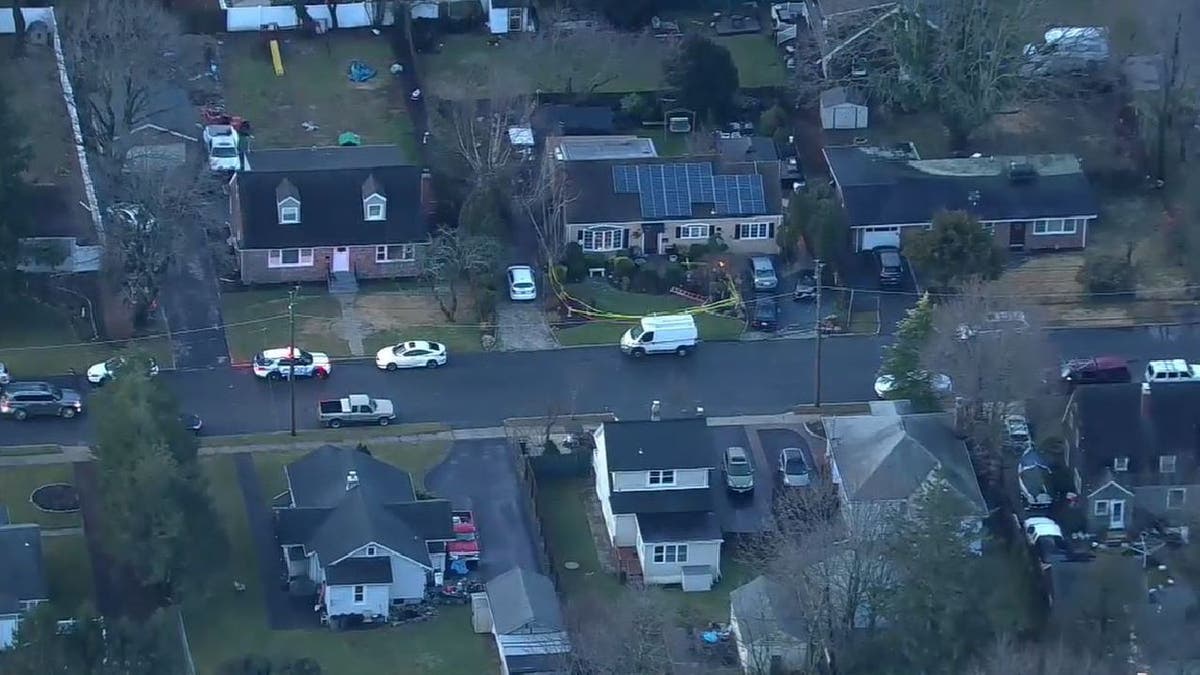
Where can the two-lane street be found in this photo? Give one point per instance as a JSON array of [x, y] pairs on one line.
[[474, 390]]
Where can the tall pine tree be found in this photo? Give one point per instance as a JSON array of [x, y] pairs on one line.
[[902, 359]]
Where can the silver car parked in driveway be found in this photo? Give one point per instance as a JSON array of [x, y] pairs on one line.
[[739, 470]]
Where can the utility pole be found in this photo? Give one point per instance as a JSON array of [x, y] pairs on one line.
[[817, 352], [292, 352]]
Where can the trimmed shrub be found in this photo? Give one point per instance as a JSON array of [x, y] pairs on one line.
[[1107, 273]]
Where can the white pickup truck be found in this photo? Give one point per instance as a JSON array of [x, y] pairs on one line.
[[356, 409], [224, 146]]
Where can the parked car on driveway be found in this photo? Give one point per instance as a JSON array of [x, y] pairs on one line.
[[276, 364], [411, 354], [102, 372], [356, 409], [941, 383], [1170, 371], [521, 285], [890, 265], [1016, 432], [806, 287], [764, 314], [22, 400], [739, 470], [762, 273], [793, 468]]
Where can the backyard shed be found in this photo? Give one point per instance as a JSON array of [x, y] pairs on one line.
[[527, 621], [768, 626], [843, 108]]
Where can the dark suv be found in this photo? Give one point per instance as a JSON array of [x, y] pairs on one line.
[[23, 400], [890, 264]]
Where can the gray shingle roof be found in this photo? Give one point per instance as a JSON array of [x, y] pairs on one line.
[[662, 501], [888, 458], [666, 444], [686, 526], [22, 572], [524, 600], [1116, 421], [328, 158], [764, 607], [377, 570], [318, 479], [878, 190]]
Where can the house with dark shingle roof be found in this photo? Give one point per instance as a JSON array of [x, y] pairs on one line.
[[655, 205], [311, 214], [352, 525], [1134, 453], [22, 575], [527, 622], [653, 484], [1028, 202], [887, 459]]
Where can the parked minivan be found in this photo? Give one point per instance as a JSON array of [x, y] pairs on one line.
[[762, 273], [675, 333]]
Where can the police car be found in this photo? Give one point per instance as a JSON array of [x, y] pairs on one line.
[[276, 364]]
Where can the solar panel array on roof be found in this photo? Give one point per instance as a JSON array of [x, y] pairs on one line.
[[670, 190]]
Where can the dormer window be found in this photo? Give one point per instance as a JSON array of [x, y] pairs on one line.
[[287, 202], [1166, 464], [1121, 464], [662, 477], [374, 201]]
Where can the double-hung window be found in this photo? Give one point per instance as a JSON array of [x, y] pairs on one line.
[[1166, 464], [602, 239], [662, 477], [359, 593], [695, 231], [290, 257], [754, 231], [670, 553], [395, 253], [1056, 226]]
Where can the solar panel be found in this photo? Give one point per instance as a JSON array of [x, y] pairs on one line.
[[700, 182], [675, 187], [671, 190], [625, 179]]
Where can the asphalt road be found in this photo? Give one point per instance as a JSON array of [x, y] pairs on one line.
[[475, 390]]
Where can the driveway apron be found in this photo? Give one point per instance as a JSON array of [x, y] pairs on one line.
[[191, 301], [522, 327], [283, 611]]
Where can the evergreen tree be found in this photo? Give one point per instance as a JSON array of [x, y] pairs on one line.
[[902, 359]]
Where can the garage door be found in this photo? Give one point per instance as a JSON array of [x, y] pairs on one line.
[[881, 237]]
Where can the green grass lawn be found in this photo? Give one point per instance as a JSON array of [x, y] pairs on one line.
[[609, 299], [314, 88], [600, 63], [38, 339], [416, 458], [18, 482], [563, 513], [257, 319], [68, 571], [232, 624], [344, 435]]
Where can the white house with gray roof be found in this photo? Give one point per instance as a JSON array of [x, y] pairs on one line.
[[527, 621], [22, 575], [352, 525]]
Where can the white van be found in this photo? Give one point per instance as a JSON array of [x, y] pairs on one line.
[[657, 334]]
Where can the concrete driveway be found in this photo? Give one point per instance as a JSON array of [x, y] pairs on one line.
[[481, 475], [521, 326], [741, 513]]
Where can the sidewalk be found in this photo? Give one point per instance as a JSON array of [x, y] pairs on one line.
[[82, 453]]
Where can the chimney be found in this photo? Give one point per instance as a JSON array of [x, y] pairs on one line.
[[428, 203], [699, 411], [655, 411], [351, 480], [973, 197]]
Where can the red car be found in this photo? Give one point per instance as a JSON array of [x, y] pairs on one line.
[[465, 546]]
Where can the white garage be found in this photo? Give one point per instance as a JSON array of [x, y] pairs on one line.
[[843, 108], [874, 237]]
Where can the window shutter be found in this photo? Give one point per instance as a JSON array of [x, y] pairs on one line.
[[678, 231], [771, 231], [737, 231], [624, 237], [579, 235]]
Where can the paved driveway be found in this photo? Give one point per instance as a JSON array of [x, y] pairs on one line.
[[481, 475], [893, 302], [741, 513], [521, 326]]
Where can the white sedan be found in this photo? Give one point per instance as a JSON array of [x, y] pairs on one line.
[[412, 354], [941, 383], [106, 370]]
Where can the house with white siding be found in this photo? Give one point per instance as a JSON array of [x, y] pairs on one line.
[[653, 481], [23, 583], [352, 526]]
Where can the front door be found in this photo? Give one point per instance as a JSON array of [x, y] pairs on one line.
[[341, 259], [651, 238], [1016, 236], [1116, 515]]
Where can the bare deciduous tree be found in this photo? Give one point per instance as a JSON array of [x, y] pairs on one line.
[[456, 257], [121, 54], [545, 202], [1008, 657], [618, 636]]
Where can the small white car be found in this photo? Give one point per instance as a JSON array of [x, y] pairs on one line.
[[793, 468], [276, 364], [108, 370], [941, 383], [520, 283], [411, 354], [5, 378]]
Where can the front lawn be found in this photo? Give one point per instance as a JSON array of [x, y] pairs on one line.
[[68, 571], [233, 624], [757, 58], [17, 483], [382, 314], [38, 339], [608, 299], [344, 435], [315, 90], [562, 508]]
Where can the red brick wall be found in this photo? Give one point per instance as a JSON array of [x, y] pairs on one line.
[[255, 268]]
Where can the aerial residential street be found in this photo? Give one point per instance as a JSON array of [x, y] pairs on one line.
[[726, 378]]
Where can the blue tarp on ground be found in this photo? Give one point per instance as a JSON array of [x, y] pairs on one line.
[[360, 72]]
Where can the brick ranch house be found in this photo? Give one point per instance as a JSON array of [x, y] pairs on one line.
[[1028, 202], [652, 205], [308, 214]]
